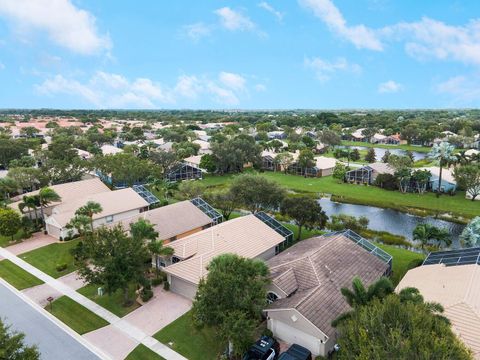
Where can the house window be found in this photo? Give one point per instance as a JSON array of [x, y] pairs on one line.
[[271, 297], [175, 259], [109, 219]]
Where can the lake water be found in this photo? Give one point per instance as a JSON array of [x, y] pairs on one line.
[[392, 221], [379, 152]]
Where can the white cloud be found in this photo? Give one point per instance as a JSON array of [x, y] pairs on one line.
[[359, 35], [260, 88], [65, 24], [266, 6], [197, 31], [389, 86], [233, 20], [108, 90], [461, 89], [232, 81], [429, 38], [325, 69]]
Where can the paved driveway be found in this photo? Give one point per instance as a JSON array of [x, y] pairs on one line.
[[112, 341], [40, 293], [37, 240], [72, 280], [160, 311]]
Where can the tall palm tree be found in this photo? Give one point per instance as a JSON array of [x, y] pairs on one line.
[[442, 152], [360, 296], [30, 203], [80, 223], [157, 249], [426, 234], [46, 196], [89, 209]]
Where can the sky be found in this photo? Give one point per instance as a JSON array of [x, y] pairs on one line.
[[289, 54]]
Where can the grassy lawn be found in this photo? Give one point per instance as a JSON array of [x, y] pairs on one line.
[[16, 276], [7, 240], [76, 316], [192, 343], [368, 195], [141, 352], [113, 303], [424, 149], [402, 260], [48, 257]]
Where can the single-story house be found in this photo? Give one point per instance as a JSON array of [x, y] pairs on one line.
[[250, 236], [110, 150], [193, 161], [448, 181], [304, 294], [452, 278], [116, 206], [204, 146], [68, 192], [269, 163], [357, 135], [323, 167], [368, 173], [183, 171], [178, 220], [279, 135]]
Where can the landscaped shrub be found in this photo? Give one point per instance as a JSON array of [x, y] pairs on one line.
[[385, 237], [414, 263], [267, 332], [157, 281], [146, 295], [166, 285], [61, 267]]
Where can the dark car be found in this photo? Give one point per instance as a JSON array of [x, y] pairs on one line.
[[266, 348], [296, 352]]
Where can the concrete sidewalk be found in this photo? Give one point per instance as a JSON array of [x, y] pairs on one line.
[[124, 326]]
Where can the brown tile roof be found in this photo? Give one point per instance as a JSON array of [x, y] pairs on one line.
[[457, 289], [246, 236], [174, 219], [322, 266]]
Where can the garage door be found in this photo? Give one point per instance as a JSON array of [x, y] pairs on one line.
[[53, 231], [292, 335], [182, 287]]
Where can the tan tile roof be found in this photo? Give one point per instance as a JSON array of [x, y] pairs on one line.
[[323, 163], [246, 236], [70, 191], [382, 168], [174, 219], [457, 289], [112, 202], [322, 266]]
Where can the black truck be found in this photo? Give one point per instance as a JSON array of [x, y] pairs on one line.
[[296, 352], [266, 348]]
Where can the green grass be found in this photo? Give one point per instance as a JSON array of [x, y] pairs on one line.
[[368, 195], [76, 316], [402, 260], [16, 276], [141, 352], [113, 303], [192, 343], [7, 240], [424, 149], [48, 257]]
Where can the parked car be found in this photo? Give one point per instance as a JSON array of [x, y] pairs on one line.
[[266, 348], [296, 352]]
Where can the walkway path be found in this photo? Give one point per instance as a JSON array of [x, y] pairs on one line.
[[120, 324]]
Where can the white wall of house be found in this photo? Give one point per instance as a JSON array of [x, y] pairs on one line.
[[292, 327]]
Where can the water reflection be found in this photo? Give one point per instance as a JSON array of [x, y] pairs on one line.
[[393, 221], [379, 152]]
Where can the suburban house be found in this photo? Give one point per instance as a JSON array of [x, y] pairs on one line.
[[110, 150], [323, 166], [255, 236], [269, 162], [178, 220], [204, 146], [279, 135], [193, 161], [357, 135], [449, 184], [183, 171], [304, 294], [116, 206], [368, 173], [68, 192], [452, 278]]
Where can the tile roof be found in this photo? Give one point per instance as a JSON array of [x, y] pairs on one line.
[[457, 289], [322, 266], [173, 220], [246, 236]]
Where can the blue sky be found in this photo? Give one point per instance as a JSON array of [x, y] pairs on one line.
[[323, 54]]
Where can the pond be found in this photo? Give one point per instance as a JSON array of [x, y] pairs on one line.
[[379, 152], [392, 221]]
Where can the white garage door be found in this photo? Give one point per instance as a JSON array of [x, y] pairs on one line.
[[182, 287], [292, 335]]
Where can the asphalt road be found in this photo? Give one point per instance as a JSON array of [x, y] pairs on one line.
[[52, 341]]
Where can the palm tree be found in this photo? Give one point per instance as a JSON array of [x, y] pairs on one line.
[[442, 152], [46, 196], [426, 234], [30, 203], [157, 249], [411, 294], [80, 223], [360, 296], [89, 209]]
